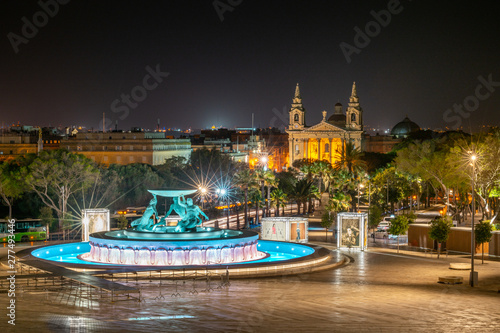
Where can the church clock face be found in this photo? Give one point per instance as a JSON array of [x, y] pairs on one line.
[[296, 126]]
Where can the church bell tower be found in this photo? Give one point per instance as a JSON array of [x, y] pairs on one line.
[[354, 113], [297, 112]]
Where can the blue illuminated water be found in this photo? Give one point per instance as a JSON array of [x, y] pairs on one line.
[[68, 253]]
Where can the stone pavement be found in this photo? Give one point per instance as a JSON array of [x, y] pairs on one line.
[[379, 291]]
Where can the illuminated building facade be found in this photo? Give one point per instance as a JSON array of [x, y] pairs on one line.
[[127, 147], [322, 140]]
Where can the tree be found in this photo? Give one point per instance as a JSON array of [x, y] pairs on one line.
[[482, 234], [487, 167], [390, 187], [375, 161], [326, 222], [255, 199], [269, 180], [10, 186], [440, 230], [313, 195], [212, 159], [56, 175], [399, 226], [46, 217], [302, 192], [122, 222], [375, 216], [411, 216], [133, 182], [432, 161], [321, 170], [306, 166], [278, 198], [339, 202], [246, 181], [349, 158]]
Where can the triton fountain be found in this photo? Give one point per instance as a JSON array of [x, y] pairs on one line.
[[153, 242], [172, 243]]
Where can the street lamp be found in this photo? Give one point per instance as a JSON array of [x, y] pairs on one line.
[[263, 161], [369, 198], [387, 201], [473, 275], [203, 191], [224, 193], [359, 186]]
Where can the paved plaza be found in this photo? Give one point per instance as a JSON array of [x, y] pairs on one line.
[[378, 291]]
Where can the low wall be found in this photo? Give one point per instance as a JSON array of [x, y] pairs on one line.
[[459, 240], [495, 243]]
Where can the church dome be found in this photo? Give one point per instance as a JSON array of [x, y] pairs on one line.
[[337, 119], [404, 128], [338, 104]]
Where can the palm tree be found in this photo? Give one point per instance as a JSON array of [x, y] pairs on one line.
[[286, 183], [315, 194], [259, 176], [302, 192], [338, 203], [265, 178], [269, 181], [308, 168], [246, 181], [349, 159], [321, 171], [279, 200], [256, 198]]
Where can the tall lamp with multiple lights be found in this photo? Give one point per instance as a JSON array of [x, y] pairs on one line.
[[473, 275]]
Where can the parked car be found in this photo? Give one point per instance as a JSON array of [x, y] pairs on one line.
[[384, 225], [381, 233]]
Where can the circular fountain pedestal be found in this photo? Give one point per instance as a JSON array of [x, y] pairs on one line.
[[206, 246]]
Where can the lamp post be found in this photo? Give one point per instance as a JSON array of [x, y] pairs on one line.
[[473, 275], [224, 193], [263, 160], [387, 201], [203, 191], [369, 198], [359, 186]]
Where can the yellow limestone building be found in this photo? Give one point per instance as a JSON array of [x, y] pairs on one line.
[[321, 141]]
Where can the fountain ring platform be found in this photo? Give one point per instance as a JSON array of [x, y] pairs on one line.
[[282, 258], [203, 247]]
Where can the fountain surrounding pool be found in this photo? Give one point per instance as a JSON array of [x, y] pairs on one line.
[[71, 253]]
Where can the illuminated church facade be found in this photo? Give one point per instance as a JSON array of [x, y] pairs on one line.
[[322, 140]]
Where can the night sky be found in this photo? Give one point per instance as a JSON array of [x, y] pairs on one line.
[[430, 56]]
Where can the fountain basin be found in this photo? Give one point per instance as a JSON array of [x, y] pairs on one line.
[[206, 246]]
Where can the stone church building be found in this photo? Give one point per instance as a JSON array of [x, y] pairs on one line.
[[322, 140]]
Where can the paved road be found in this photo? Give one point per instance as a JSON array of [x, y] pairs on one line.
[[380, 291]]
